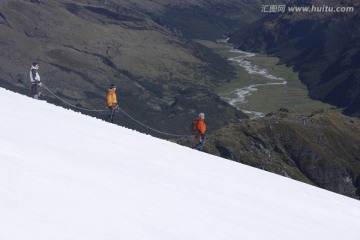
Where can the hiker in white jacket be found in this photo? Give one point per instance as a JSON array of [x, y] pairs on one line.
[[35, 81]]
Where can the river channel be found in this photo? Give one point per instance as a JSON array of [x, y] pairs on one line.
[[261, 84]]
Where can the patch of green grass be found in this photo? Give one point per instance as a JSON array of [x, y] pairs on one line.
[[293, 95]]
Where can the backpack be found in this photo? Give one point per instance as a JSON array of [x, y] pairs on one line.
[[194, 127]]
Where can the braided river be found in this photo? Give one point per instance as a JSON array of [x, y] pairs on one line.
[[262, 85]]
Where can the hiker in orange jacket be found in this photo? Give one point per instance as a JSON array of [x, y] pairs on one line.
[[201, 130], [112, 102]]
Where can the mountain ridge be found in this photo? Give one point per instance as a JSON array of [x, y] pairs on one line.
[[322, 47]]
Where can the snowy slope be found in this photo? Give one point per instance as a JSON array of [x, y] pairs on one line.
[[64, 176]]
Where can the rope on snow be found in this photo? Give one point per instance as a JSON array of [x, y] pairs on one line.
[[98, 110], [85, 109]]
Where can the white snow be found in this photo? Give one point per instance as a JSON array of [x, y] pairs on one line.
[[64, 175]]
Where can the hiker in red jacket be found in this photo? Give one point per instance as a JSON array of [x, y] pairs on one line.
[[201, 130]]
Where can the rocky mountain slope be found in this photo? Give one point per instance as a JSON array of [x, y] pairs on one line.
[[163, 78], [323, 47], [320, 148]]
